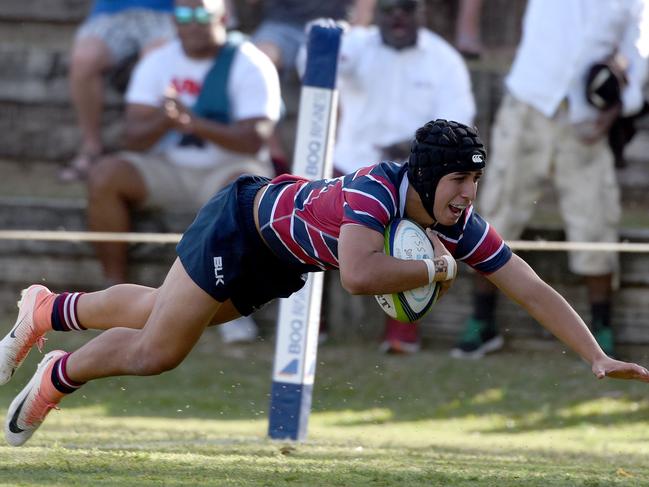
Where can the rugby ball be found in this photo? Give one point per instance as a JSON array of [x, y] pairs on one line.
[[405, 239]]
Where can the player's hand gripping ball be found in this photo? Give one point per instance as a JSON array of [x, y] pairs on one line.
[[405, 239]]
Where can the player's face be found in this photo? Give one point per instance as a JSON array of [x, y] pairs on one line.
[[454, 193]]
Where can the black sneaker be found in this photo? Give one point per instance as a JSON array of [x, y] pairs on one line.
[[478, 339]]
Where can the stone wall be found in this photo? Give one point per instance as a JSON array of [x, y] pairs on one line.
[[36, 119]]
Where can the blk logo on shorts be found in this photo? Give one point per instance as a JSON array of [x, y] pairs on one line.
[[218, 271]]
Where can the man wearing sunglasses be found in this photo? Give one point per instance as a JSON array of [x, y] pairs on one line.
[[393, 77], [199, 113]]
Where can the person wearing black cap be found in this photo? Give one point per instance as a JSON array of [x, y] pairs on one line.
[[254, 241]]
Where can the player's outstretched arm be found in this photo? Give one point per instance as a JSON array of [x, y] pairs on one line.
[[518, 281]]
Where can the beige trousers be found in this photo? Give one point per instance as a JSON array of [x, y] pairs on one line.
[[528, 148]]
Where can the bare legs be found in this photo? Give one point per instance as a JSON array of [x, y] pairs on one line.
[[124, 305], [179, 313], [273, 52], [129, 306], [114, 187], [600, 288], [90, 59], [468, 39]]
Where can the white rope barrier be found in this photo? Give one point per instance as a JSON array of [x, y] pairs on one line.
[[64, 236], [172, 238], [549, 245]]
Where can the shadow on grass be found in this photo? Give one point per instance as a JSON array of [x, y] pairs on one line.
[[534, 391]]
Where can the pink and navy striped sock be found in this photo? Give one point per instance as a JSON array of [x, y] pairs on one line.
[[60, 378], [64, 313]]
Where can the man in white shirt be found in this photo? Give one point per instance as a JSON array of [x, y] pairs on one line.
[[546, 128], [392, 78], [185, 143]]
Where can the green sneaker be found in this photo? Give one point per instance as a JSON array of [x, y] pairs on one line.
[[604, 337], [478, 339]]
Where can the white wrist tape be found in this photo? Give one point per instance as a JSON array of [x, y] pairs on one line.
[[430, 265], [451, 267]]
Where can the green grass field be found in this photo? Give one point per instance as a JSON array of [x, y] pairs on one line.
[[515, 419]]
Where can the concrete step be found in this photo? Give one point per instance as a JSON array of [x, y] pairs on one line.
[[73, 264], [37, 74], [48, 132], [45, 11], [56, 37]]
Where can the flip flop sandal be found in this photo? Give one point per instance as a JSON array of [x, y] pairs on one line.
[[77, 170]]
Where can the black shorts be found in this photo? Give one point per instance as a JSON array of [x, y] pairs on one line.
[[223, 253]]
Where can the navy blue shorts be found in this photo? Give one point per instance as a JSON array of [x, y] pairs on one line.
[[224, 254]]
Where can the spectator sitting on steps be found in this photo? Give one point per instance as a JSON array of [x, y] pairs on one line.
[[199, 113]]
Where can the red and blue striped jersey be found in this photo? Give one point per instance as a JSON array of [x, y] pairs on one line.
[[301, 219]]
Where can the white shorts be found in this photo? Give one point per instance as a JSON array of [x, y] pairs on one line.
[[170, 186]]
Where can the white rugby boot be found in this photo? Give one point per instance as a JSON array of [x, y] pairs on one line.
[[15, 346], [28, 410]]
